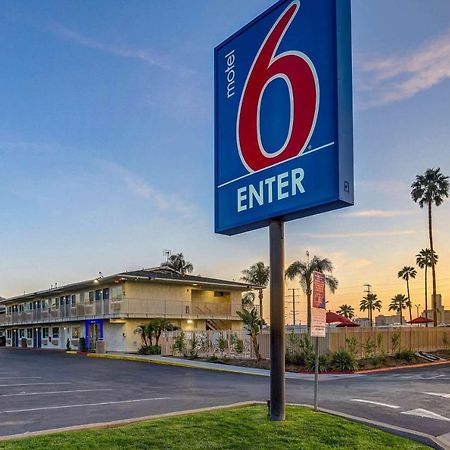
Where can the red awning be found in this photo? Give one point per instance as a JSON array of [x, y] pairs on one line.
[[336, 318], [419, 320], [349, 324]]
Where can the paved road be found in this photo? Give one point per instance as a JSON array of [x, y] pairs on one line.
[[43, 390]]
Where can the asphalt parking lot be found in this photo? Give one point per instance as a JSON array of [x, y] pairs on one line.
[[46, 390]]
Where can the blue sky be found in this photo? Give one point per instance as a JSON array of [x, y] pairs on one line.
[[106, 142]]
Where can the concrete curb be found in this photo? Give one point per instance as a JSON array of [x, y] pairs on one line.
[[123, 422], [412, 366], [223, 368], [418, 436]]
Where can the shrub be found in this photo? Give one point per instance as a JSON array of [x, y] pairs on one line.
[[344, 361], [180, 343], [222, 343], [395, 340], [193, 352], [150, 350], [369, 347], [324, 362], [237, 343], [406, 355], [445, 340], [352, 343]]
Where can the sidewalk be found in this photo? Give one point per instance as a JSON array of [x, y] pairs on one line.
[[193, 364]]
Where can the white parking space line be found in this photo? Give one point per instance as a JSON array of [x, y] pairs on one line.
[[31, 384], [21, 394], [426, 414], [20, 378], [437, 394], [370, 402], [84, 405]]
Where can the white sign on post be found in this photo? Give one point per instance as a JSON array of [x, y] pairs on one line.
[[318, 306]]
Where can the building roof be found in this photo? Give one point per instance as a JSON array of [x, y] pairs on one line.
[[164, 275]]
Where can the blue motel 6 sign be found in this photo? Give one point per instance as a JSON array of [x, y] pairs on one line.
[[283, 116]]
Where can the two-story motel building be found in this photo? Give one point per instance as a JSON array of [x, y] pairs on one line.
[[112, 307]]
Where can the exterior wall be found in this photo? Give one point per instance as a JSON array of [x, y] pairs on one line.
[[156, 292]]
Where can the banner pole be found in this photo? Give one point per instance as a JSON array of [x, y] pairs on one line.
[[277, 330], [316, 374]]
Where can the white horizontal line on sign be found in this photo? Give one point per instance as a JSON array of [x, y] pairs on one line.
[[307, 152], [83, 405], [370, 402]]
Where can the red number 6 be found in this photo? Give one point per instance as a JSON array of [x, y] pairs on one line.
[[300, 76]]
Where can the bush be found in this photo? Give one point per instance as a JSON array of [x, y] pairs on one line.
[[395, 339], [352, 344], [180, 343], [150, 350], [344, 361], [193, 351], [324, 362], [300, 350], [406, 355]]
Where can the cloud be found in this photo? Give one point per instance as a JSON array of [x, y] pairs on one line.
[[75, 37], [141, 188], [380, 213], [397, 77], [362, 234]]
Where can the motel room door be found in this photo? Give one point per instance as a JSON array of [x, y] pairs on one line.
[[94, 335], [37, 338], [15, 338]]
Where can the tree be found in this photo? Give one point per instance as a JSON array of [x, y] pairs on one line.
[[146, 331], [248, 299], [370, 303], [406, 274], [257, 275], [398, 304], [424, 259], [252, 323], [347, 311], [304, 271], [159, 325], [429, 189], [178, 263]]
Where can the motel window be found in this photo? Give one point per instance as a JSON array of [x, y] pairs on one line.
[[98, 295], [44, 304], [73, 300], [55, 332], [218, 294], [75, 332], [116, 293], [106, 294], [55, 303], [8, 310], [30, 306], [21, 333], [29, 333], [21, 308], [44, 333], [91, 297], [8, 334]]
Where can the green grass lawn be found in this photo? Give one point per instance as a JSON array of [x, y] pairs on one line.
[[241, 428]]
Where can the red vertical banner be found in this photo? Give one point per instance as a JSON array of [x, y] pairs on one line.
[[318, 306]]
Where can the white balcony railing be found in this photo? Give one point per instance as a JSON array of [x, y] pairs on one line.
[[126, 308]]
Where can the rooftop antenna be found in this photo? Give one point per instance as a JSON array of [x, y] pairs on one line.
[[167, 254], [100, 275]]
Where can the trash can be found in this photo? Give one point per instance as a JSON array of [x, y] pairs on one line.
[[100, 346]]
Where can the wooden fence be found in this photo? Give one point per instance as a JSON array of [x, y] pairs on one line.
[[233, 344]]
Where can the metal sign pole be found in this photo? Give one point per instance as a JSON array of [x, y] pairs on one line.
[[316, 374], [277, 331]]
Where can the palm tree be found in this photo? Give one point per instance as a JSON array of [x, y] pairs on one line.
[[257, 275], [431, 188], [398, 304], [146, 331], [159, 325], [406, 274], [178, 263], [305, 270], [424, 259], [370, 303], [248, 299], [252, 323], [347, 311]]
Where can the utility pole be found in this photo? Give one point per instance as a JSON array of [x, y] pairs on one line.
[[293, 306], [368, 291]]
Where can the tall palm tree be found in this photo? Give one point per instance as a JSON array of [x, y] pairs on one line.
[[252, 323], [398, 304], [347, 311], [424, 259], [248, 299], [370, 303], [406, 274], [258, 275], [304, 271], [429, 189], [178, 263]]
